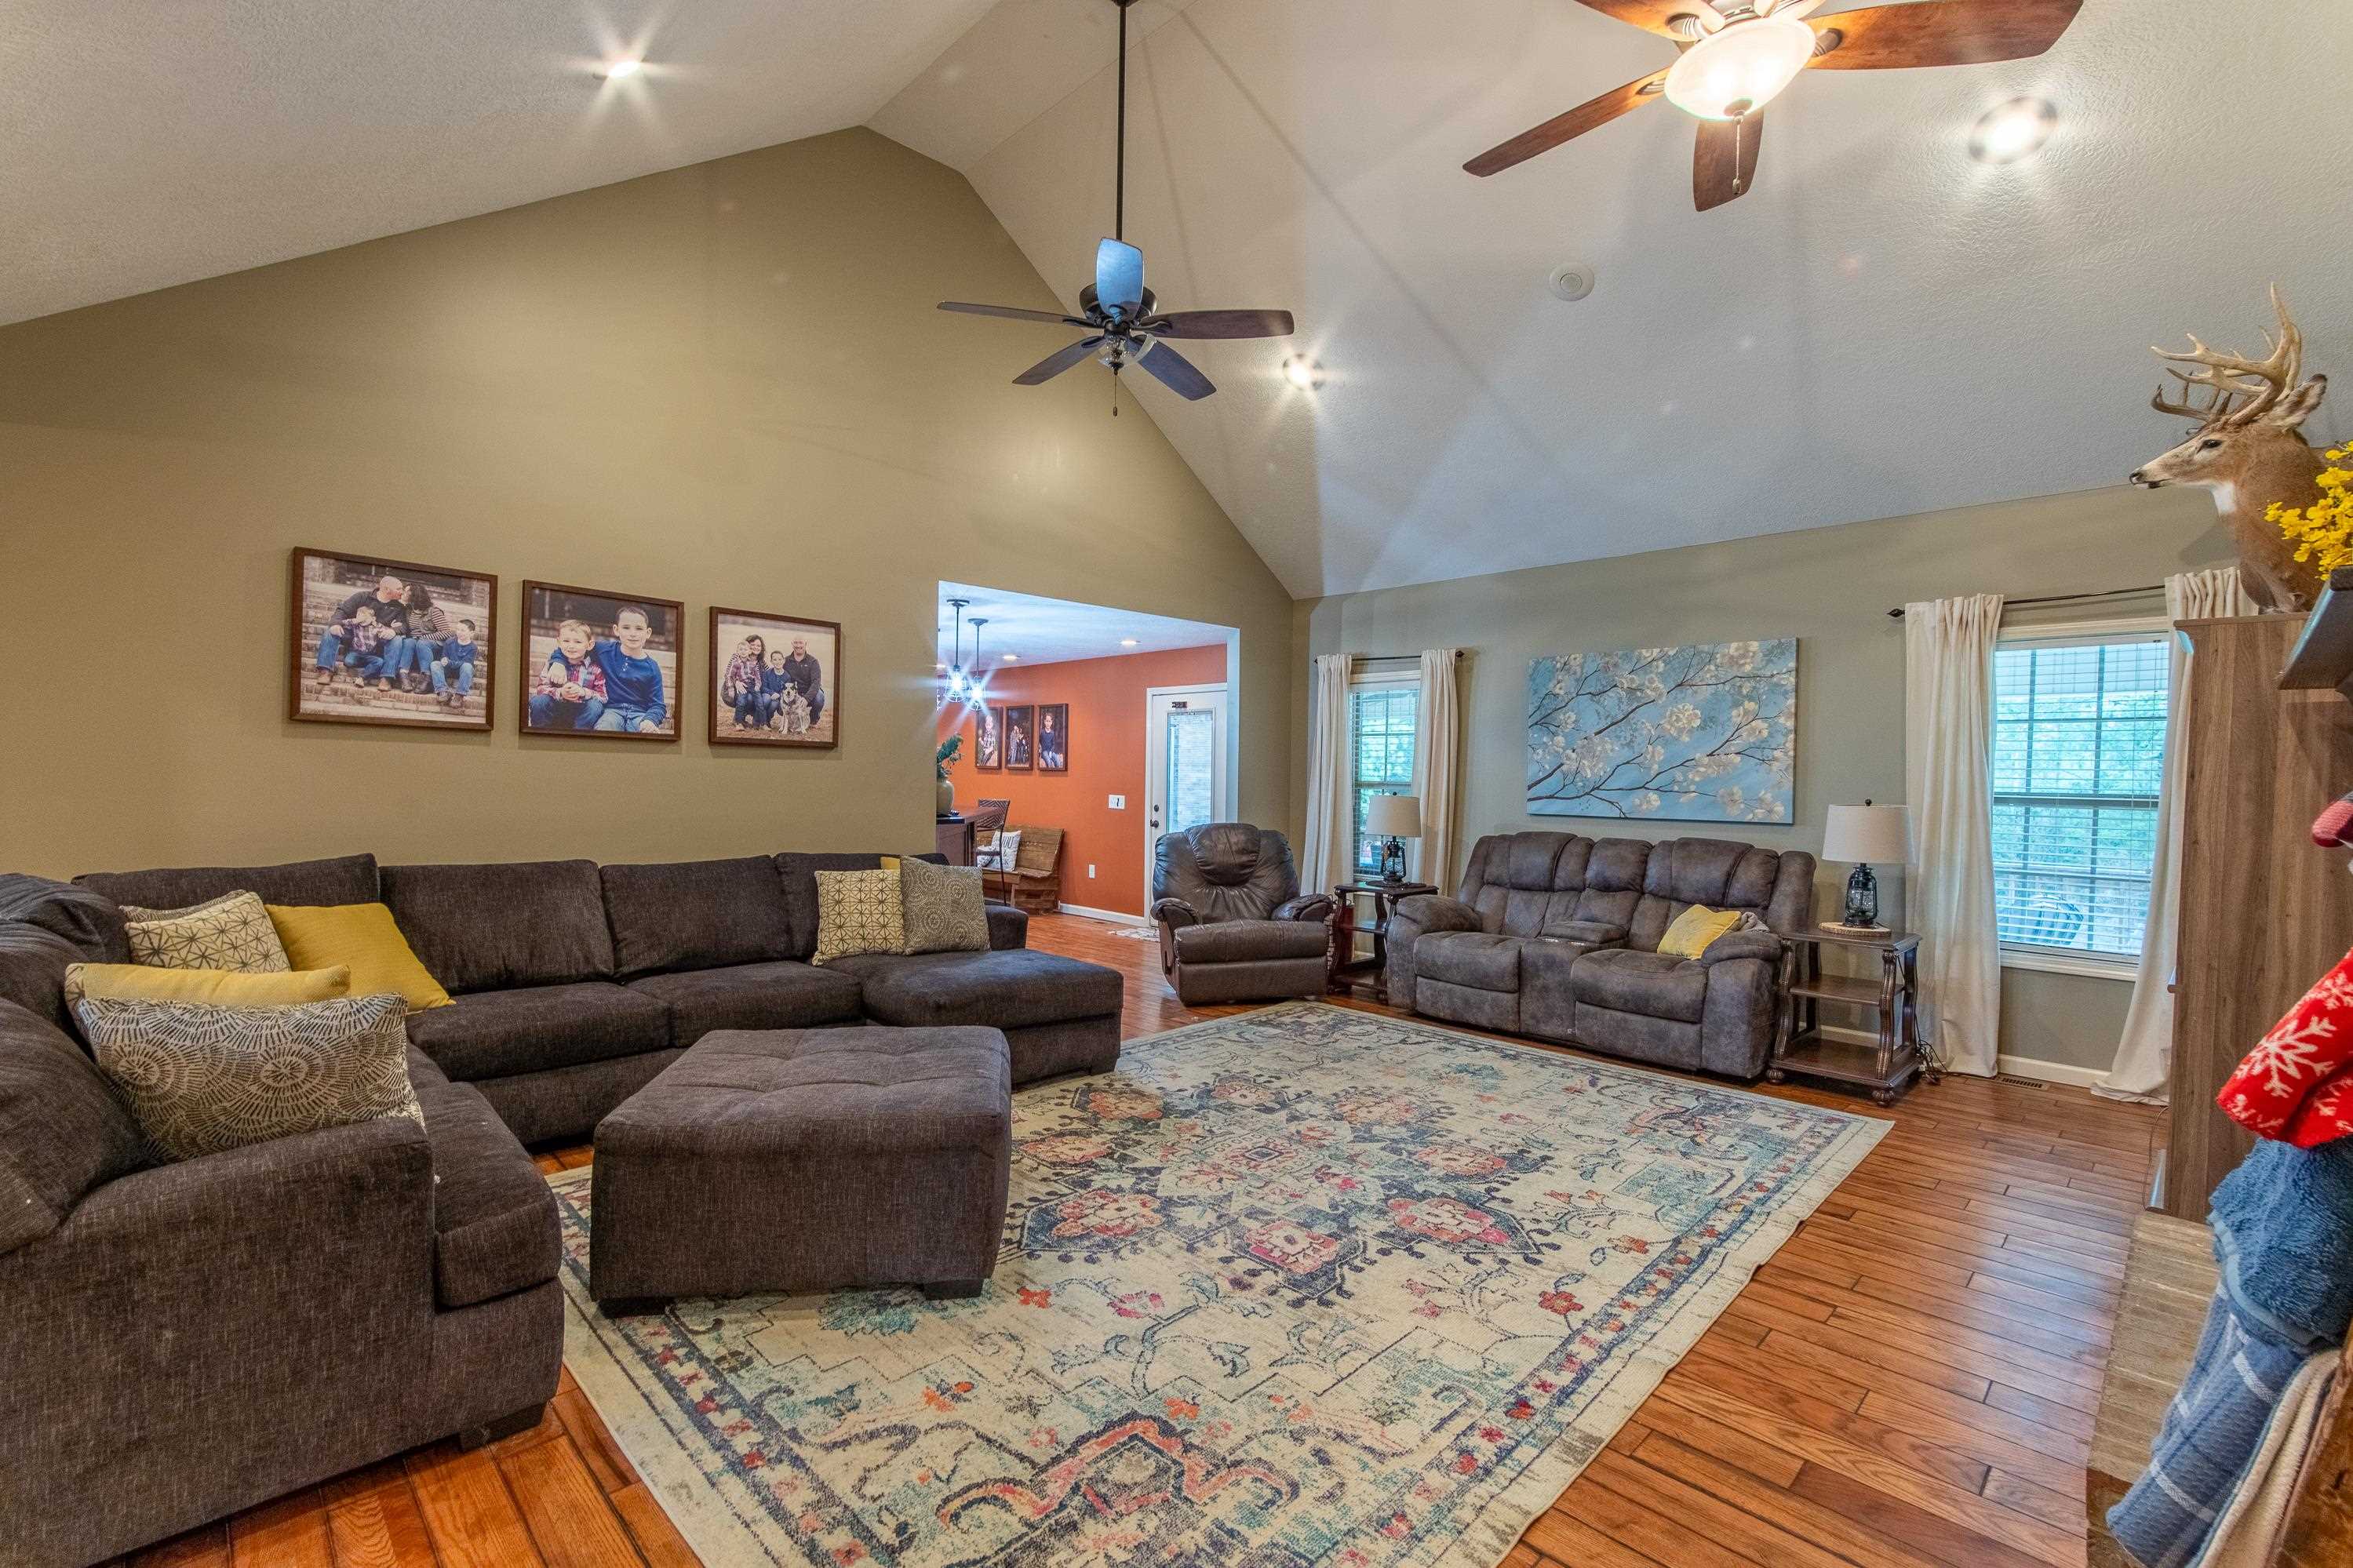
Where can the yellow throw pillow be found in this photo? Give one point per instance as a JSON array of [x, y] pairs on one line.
[[1687, 938], [215, 987], [857, 911], [364, 937]]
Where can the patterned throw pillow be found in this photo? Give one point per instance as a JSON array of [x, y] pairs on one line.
[[232, 931], [943, 908], [857, 911], [203, 1079]]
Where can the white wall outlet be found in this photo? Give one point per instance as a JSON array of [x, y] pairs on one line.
[[1091, 870], [1119, 803]]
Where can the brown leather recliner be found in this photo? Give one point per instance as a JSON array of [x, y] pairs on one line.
[[1234, 926]]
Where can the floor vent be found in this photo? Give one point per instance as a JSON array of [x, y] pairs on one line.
[[2011, 1078]]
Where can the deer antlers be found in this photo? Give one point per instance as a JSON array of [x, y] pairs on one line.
[[2240, 390]]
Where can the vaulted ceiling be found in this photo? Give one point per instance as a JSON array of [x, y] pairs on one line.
[[1882, 326]]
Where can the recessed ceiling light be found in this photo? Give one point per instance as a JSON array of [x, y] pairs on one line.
[[615, 70], [1303, 373], [2013, 130], [1009, 658], [1127, 642]]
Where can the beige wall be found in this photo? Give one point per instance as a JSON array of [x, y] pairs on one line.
[[1831, 589], [723, 385]]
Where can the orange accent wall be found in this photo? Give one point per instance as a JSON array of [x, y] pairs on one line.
[[1106, 752]]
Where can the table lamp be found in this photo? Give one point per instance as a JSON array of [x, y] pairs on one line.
[[1863, 835], [1394, 817]]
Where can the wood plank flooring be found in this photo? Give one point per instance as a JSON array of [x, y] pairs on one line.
[[1910, 1382]]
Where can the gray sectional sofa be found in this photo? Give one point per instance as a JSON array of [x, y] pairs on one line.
[[1556, 935], [201, 1336]]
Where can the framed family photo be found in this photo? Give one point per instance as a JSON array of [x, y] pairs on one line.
[[775, 680], [1053, 737], [600, 664], [988, 738], [1020, 729], [379, 641]]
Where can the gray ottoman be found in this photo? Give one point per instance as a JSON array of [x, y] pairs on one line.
[[791, 1160]]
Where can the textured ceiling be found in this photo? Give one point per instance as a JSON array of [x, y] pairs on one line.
[[1050, 631], [144, 142], [1881, 327]]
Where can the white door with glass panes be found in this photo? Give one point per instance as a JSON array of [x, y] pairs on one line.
[[1185, 773]]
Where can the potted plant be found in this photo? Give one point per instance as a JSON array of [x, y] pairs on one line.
[[942, 761]]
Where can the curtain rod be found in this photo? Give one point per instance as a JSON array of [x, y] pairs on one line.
[[1401, 658], [1897, 613]]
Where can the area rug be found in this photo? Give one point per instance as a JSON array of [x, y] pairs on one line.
[[1304, 1286]]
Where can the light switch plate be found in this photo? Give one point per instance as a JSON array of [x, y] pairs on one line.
[[1091, 870], [1119, 803]]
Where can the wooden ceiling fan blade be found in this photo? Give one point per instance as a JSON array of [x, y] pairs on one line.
[[1220, 325], [1651, 16], [1055, 363], [1724, 166], [1942, 33], [1013, 313], [1560, 128], [1176, 373]]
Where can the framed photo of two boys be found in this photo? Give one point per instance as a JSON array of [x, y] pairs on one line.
[[776, 680], [601, 665]]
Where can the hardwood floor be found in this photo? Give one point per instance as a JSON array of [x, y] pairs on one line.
[[1910, 1382]]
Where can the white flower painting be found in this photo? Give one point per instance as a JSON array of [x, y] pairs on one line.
[[1706, 734]]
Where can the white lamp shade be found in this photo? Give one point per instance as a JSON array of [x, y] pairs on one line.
[[1868, 835], [1394, 816], [1740, 70]]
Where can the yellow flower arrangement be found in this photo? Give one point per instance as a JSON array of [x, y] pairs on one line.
[[2323, 531]]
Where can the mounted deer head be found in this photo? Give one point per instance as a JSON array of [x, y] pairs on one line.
[[2247, 449]]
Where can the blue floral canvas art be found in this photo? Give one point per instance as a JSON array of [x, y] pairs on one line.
[[1706, 734]]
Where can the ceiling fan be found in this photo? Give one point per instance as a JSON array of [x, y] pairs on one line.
[[1737, 54], [1117, 312]]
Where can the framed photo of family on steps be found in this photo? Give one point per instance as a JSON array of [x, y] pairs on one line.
[[598, 664], [776, 680], [378, 641]]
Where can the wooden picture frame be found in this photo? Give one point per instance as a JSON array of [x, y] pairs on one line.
[[815, 709], [552, 604], [1020, 737], [1052, 741], [323, 580], [987, 737]]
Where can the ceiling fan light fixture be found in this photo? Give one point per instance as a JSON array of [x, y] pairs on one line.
[[619, 70], [2012, 132], [1740, 71], [1303, 373]]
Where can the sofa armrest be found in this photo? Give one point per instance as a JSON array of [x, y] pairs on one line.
[[1434, 911], [1316, 907], [1734, 944], [234, 1323], [1173, 912], [1008, 928]]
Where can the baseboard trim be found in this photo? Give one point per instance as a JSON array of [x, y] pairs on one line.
[[2017, 1067], [1113, 916]]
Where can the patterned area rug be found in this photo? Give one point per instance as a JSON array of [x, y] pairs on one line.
[[1304, 1286]]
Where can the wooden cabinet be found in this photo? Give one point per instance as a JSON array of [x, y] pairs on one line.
[[2264, 912]]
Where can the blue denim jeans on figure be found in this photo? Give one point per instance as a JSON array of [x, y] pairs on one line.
[[462, 676], [369, 666], [553, 713], [755, 710], [624, 719], [330, 650]]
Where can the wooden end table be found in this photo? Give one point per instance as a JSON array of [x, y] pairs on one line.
[[1799, 1046], [1344, 963]]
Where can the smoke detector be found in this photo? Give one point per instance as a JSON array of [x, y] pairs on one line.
[[1572, 280]]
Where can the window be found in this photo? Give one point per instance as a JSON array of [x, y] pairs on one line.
[[1380, 740], [2078, 758]]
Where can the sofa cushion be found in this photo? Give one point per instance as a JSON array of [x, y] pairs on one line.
[[491, 1033], [493, 927], [696, 914], [1649, 984], [91, 921], [63, 1130], [33, 965], [1003, 990], [494, 1224], [1240, 941], [1481, 960], [346, 879], [1584, 934], [785, 994]]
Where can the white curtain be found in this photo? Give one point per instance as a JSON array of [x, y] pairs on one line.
[[1329, 854], [2144, 1055], [1949, 779], [1436, 766]]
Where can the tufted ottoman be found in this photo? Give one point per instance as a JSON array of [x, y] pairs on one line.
[[791, 1160]]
